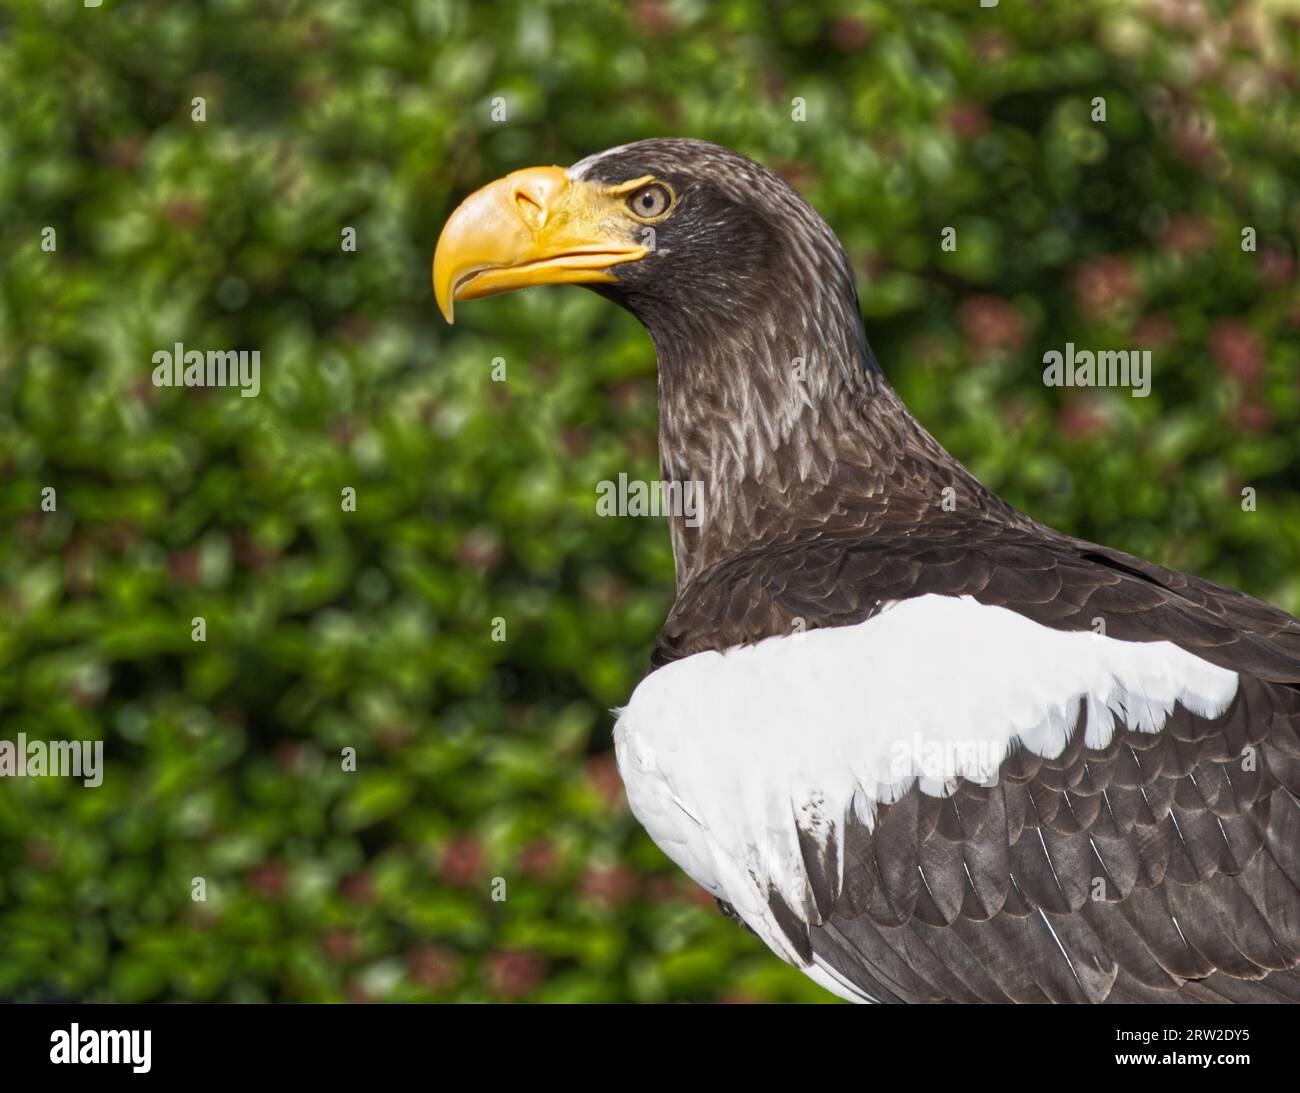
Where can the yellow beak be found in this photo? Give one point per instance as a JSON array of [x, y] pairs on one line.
[[533, 227]]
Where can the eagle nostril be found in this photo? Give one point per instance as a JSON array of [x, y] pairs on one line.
[[529, 207]]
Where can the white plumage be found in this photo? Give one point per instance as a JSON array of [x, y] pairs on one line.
[[726, 755]]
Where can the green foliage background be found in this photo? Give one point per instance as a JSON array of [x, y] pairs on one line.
[[372, 630]]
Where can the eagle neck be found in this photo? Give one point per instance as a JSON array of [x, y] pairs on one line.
[[789, 430]]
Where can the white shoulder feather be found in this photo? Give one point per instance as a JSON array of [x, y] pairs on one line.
[[725, 756]]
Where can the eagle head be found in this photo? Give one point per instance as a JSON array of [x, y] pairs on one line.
[[769, 394], [688, 236]]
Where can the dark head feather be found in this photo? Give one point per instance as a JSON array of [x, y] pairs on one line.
[[769, 393]]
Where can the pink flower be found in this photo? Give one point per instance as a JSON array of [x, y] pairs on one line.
[[269, 879], [1101, 285], [992, 46], [991, 324], [1276, 266], [1237, 351], [1253, 417], [700, 897], [1080, 419], [434, 967], [602, 776], [183, 565], [968, 120], [1194, 141], [185, 212], [292, 756], [1186, 236], [1154, 332], [608, 886], [481, 549], [462, 862], [358, 887], [653, 17], [514, 974], [339, 945], [849, 34], [662, 889], [539, 860]]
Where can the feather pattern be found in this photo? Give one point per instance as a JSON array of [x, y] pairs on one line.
[[925, 747], [1119, 845]]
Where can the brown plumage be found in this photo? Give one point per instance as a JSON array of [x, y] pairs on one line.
[[1164, 866]]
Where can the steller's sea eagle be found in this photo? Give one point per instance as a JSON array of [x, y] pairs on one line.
[[885, 731]]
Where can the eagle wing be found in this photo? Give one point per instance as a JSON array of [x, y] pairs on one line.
[[996, 764]]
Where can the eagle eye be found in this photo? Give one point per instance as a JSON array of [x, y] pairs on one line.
[[650, 202]]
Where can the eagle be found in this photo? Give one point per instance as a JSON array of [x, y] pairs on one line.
[[925, 747]]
